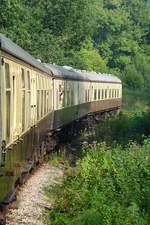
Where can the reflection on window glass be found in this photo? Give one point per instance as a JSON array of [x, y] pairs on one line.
[[23, 78], [8, 93], [28, 78], [42, 103], [110, 93], [99, 94], [113, 93], [88, 95], [85, 95], [45, 102], [102, 94], [50, 100], [68, 98], [28, 109], [7, 75], [72, 97], [95, 94], [105, 93], [23, 110], [38, 105]]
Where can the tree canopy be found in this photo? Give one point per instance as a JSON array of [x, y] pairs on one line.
[[102, 35]]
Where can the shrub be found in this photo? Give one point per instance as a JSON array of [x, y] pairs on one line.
[[110, 187]]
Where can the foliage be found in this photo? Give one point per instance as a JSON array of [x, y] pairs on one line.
[[104, 35], [111, 186], [88, 57], [111, 182], [131, 124], [122, 38]]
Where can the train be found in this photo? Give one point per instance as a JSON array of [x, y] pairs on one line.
[[36, 100]]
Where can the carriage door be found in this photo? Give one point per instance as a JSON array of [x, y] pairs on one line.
[[33, 99]]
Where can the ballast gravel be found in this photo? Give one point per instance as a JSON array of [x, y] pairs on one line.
[[31, 200]]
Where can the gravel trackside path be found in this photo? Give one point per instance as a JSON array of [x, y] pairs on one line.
[[31, 200]]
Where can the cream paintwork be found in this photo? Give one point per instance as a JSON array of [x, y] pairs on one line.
[[82, 87], [77, 92], [16, 94], [106, 86]]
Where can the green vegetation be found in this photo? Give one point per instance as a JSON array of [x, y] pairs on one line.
[[102, 35], [124, 128], [110, 187], [111, 183]]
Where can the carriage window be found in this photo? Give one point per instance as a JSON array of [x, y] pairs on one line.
[[105, 93], [45, 102], [113, 93], [23, 98], [28, 109], [50, 100], [72, 97], [23, 110], [88, 95], [68, 98], [8, 93], [28, 96], [110, 93], [7, 75], [28, 80], [8, 101], [39, 82], [42, 103], [99, 94], [64, 99], [38, 105], [43, 83], [85, 95], [23, 78], [102, 94], [95, 94]]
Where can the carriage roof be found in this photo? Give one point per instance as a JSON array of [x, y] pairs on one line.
[[66, 72], [10, 47]]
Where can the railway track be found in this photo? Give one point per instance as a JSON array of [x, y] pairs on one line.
[[31, 202], [29, 207]]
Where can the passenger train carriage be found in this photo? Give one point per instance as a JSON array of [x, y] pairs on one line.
[[77, 93], [36, 99]]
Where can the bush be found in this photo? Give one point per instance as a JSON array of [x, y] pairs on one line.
[[110, 187], [127, 126]]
